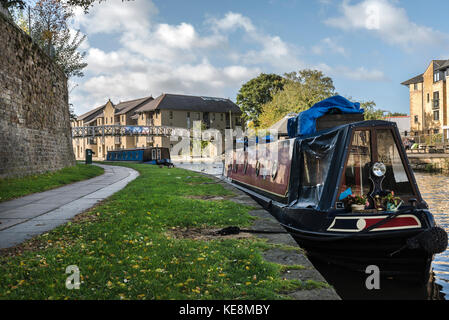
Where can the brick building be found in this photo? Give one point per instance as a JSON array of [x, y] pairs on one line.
[[428, 99]]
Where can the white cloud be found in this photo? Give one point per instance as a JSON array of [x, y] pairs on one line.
[[184, 36], [329, 45], [116, 16], [271, 49], [152, 58], [358, 74], [231, 21], [387, 21]]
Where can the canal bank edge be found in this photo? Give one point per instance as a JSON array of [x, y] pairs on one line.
[[285, 254], [435, 162]]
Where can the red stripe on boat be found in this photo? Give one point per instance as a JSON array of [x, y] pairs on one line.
[[393, 223]]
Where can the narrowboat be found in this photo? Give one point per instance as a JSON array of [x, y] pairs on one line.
[[151, 155], [345, 192]]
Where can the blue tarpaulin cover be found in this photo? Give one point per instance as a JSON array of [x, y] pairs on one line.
[[305, 123]]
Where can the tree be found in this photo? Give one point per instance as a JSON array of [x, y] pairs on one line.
[[370, 111], [67, 54], [72, 114], [314, 84], [85, 4], [283, 102], [302, 90], [49, 22], [49, 28], [256, 92], [397, 114], [11, 4]]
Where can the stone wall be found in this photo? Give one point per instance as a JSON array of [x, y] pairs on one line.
[[35, 134], [429, 162]]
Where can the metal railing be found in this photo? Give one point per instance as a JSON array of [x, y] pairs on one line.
[[121, 130], [427, 143]]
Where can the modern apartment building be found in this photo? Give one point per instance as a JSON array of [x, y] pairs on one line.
[[167, 110], [428, 99]]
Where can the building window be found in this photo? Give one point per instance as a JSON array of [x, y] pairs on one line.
[[435, 131], [112, 120], [221, 116], [416, 119], [436, 100], [436, 115], [436, 77], [106, 120], [213, 116], [198, 116], [171, 115], [415, 86], [428, 97]]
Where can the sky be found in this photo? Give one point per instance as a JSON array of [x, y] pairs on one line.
[[211, 48]]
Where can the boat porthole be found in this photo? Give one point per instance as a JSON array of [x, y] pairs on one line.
[[257, 168], [274, 170]]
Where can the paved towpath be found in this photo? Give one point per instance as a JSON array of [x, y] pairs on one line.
[[26, 217]]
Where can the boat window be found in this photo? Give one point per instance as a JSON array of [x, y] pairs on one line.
[[313, 178], [396, 178], [356, 176], [317, 156]]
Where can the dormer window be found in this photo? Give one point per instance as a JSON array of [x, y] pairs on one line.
[[436, 77]]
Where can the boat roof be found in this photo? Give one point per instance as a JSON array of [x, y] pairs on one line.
[[366, 123]]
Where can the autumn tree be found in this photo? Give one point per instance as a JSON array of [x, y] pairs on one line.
[[370, 111], [11, 4], [283, 102], [302, 90], [315, 86], [84, 4], [47, 23]]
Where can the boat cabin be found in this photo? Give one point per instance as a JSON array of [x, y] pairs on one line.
[[323, 171]]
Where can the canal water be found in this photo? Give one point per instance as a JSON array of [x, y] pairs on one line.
[[435, 190], [349, 285]]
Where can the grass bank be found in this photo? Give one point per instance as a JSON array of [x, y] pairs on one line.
[[19, 187], [127, 248]]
